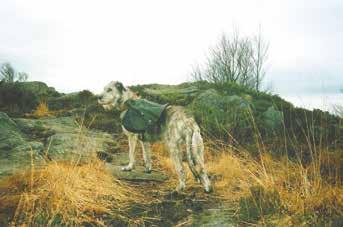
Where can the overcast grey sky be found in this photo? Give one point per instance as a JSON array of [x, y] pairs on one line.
[[75, 45]]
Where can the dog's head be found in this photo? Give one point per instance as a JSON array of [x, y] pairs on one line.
[[111, 97]]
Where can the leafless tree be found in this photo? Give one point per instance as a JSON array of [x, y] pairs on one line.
[[259, 58], [338, 110], [9, 74], [22, 76], [235, 59]]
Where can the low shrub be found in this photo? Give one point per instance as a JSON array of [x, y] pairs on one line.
[[16, 100], [71, 101], [97, 118], [223, 116]]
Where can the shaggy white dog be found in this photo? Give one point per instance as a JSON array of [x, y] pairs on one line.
[[177, 129]]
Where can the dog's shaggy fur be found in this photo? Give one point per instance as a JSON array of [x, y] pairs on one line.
[[178, 129]]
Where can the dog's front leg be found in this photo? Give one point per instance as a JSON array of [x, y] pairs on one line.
[[132, 148], [147, 156]]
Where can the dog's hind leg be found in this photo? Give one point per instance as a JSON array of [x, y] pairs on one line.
[[176, 156], [190, 159], [198, 157], [147, 156], [132, 148]]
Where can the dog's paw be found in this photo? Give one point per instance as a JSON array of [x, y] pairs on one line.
[[208, 189], [147, 170], [126, 168]]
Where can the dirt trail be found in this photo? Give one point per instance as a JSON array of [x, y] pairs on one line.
[[191, 208]]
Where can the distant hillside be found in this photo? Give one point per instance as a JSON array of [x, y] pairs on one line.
[[228, 112]]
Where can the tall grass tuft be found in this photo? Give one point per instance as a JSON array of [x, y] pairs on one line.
[[64, 193], [302, 189], [42, 110], [75, 192]]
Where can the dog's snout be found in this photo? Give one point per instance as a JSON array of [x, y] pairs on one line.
[[99, 97]]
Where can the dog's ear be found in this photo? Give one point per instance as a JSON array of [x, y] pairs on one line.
[[120, 87]]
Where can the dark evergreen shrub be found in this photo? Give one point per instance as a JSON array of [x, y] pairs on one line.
[[16, 100]]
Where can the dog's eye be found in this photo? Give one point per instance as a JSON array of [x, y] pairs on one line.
[[109, 90]]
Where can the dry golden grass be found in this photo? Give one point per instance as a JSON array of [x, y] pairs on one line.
[[303, 189], [232, 175], [42, 110], [165, 164], [65, 193], [74, 194]]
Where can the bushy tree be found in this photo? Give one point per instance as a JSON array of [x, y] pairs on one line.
[[235, 59], [9, 74], [16, 100]]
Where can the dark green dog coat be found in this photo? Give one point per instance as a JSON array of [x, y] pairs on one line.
[[143, 116]]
